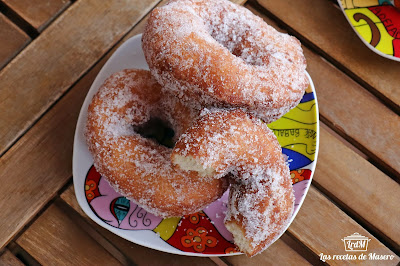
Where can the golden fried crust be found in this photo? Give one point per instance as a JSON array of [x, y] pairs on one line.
[[139, 168], [261, 197], [225, 56]]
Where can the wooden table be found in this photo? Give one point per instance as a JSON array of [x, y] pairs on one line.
[[51, 51]]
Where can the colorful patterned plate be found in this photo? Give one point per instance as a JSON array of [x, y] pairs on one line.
[[377, 23], [202, 233]]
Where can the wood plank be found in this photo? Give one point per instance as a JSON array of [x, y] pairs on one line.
[[55, 239], [8, 259], [22, 164], [324, 25], [338, 232], [50, 141], [320, 217], [278, 253], [286, 254], [64, 105], [136, 253], [38, 13], [359, 186], [10, 138], [340, 169], [12, 39], [345, 103], [58, 57], [22, 254], [69, 197], [321, 225], [132, 33]]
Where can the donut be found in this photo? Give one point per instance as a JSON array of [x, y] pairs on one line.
[[137, 167], [261, 198], [222, 55]]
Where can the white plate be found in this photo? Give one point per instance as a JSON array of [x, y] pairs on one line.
[[297, 131]]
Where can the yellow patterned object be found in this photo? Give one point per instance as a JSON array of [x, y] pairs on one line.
[[297, 129], [377, 23], [167, 227]]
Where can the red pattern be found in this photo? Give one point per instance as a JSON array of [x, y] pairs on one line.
[[198, 239], [91, 184], [390, 17], [300, 175], [196, 233]]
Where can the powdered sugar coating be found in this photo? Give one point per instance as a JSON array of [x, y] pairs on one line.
[[139, 168], [223, 55], [261, 199]]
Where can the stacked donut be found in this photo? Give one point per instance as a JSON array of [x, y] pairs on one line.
[[215, 71]]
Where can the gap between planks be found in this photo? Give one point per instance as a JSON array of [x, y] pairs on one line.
[[281, 247], [13, 40], [353, 125], [33, 122], [368, 177], [18, 20], [7, 258], [55, 238], [55, 71], [54, 181], [386, 92], [32, 131], [38, 13], [24, 257], [361, 149]]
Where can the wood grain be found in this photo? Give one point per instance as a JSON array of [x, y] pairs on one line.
[[343, 101], [38, 13], [345, 174], [138, 254], [55, 239], [58, 57], [361, 187], [320, 225], [356, 113], [352, 110], [286, 254], [50, 141], [12, 39], [22, 163], [8, 259], [38, 165], [324, 25], [278, 253]]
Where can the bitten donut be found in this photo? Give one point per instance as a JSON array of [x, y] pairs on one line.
[[222, 55], [261, 199], [138, 167]]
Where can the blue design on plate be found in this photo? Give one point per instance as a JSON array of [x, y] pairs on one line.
[[296, 160]]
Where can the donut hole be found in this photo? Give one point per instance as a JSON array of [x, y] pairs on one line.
[[157, 130]]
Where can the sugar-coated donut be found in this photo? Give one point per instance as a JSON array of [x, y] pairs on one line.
[[261, 199], [138, 167], [221, 54]]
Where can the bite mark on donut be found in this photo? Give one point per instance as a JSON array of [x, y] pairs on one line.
[[139, 168], [261, 198]]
